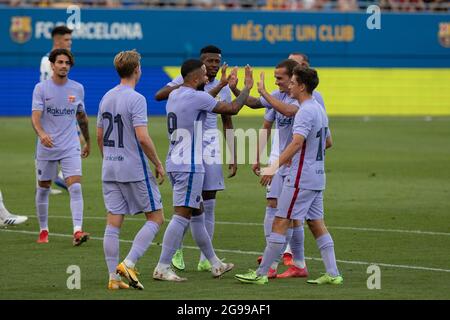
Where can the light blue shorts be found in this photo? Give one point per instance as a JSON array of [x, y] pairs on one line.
[[213, 179], [274, 188], [300, 204], [187, 189], [132, 197], [48, 169]]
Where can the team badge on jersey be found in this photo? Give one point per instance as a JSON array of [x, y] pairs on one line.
[[20, 30], [444, 34], [71, 99]]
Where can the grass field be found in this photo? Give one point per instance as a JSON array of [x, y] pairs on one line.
[[387, 202]]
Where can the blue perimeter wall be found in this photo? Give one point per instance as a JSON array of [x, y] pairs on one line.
[[15, 100]]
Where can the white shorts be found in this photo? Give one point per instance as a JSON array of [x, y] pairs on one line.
[[274, 189], [48, 169], [300, 204], [131, 197], [213, 179], [187, 189]]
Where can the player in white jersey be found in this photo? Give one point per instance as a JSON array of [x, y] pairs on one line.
[[186, 111], [298, 233], [62, 39], [211, 56], [58, 103], [128, 184], [302, 193], [280, 107]]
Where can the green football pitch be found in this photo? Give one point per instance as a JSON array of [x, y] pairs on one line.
[[387, 203]]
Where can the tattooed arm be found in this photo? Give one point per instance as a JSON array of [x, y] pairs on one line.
[[83, 123]]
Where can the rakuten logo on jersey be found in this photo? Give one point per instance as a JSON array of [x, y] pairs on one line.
[[60, 112]]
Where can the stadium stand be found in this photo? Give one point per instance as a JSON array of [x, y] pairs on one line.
[[291, 5]]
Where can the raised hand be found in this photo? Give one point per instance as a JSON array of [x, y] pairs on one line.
[[223, 77], [233, 78], [248, 81], [261, 84]]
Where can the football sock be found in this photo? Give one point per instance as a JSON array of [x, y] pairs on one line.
[[173, 236], [209, 206], [268, 221], [42, 207], [202, 239], [326, 247], [141, 242], [275, 243], [111, 247], [76, 206], [298, 247]]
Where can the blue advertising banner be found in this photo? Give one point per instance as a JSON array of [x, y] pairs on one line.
[[337, 42], [167, 37]]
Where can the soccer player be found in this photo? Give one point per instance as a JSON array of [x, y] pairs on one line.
[[62, 39], [57, 104], [298, 233], [8, 219], [280, 107], [186, 112], [128, 184], [211, 56], [302, 192]]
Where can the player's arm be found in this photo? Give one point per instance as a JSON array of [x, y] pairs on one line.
[[252, 102], [288, 110], [150, 151], [286, 156], [227, 124], [45, 139], [263, 139], [163, 93], [100, 140], [236, 105], [84, 127]]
